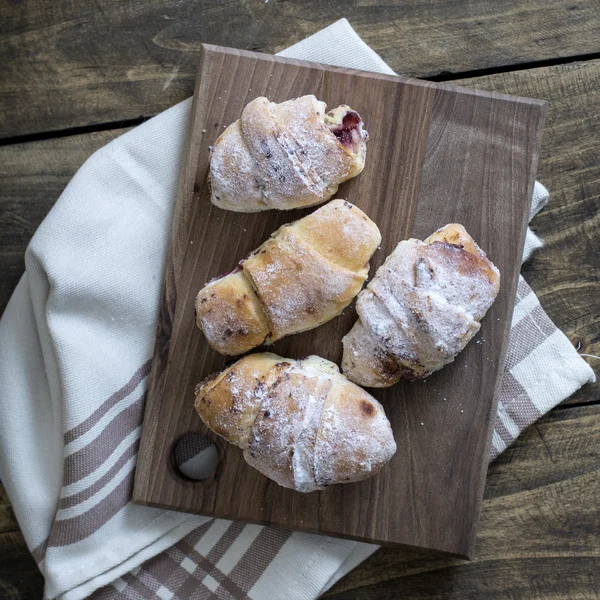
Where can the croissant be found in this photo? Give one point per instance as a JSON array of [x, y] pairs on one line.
[[305, 274], [420, 310], [286, 155], [299, 422]]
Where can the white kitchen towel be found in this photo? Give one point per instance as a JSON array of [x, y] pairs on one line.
[[75, 344]]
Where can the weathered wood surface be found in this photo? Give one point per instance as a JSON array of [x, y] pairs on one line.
[[566, 273], [59, 78], [69, 64], [19, 575], [538, 534]]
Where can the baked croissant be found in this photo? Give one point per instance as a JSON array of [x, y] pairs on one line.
[[286, 155], [305, 274], [299, 422], [420, 310]]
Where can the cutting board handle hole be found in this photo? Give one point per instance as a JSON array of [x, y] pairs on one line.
[[195, 457]]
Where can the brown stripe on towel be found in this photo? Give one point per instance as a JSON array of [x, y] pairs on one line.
[[88, 459], [39, 552], [206, 567], [258, 557], [119, 395], [517, 403], [75, 499], [75, 529]]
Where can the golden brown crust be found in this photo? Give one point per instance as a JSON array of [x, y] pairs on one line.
[[455, 234], [230, 315], [300, 278], [301, 423], [354, 439], [421, 309], [298, 287], [281, 156], [229, 401], [476, 260], [342, 233]]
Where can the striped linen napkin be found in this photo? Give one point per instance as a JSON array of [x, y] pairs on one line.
[[75, 344]]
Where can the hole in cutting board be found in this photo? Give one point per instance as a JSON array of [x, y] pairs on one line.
[[195, 457]]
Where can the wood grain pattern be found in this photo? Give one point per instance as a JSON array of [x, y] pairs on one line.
[[537, 536], [69, 64], [539, 528], [566, 273], [19, 575], [58, 78], [429, 495], [33, 175]]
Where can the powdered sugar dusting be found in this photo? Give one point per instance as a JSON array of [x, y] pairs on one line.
[[299, 288], [305, 438], [310, 426], [229, 401], [233, 170], [325, 158], [301, 277], [280, 156], [342, 233], [422, 307], [355, 438]]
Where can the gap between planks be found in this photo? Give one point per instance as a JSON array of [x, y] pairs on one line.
[[442, 77]]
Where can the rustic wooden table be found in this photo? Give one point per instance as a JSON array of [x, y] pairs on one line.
[[77, 74]]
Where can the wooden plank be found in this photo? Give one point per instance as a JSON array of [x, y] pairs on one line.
[[71, 64], [32, 176], [483, 137], [19, 575], [539, 528], [572, 91], [566, 273], [537, 519], [8, 522]]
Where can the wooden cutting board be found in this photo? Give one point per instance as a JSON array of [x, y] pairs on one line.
[[437, 154]]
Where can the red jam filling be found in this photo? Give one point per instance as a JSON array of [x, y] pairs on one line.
[[347, 132]]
